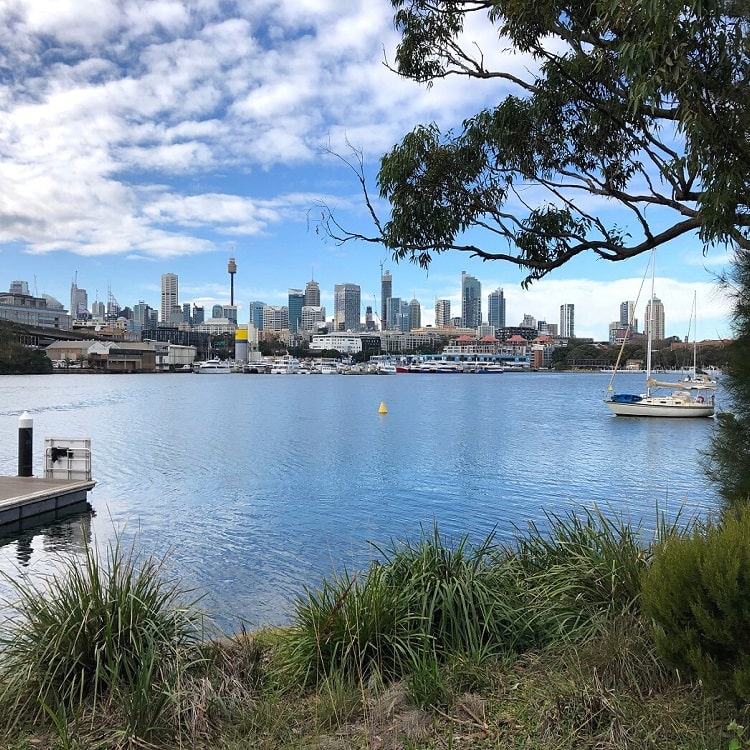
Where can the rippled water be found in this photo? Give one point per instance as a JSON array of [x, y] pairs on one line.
[[258, 485]]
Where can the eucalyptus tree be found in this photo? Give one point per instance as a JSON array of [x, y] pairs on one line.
[[640, 105]]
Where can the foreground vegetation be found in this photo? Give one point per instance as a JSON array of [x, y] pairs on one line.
[[581, 635]]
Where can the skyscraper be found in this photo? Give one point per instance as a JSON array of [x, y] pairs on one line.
[[386, 291], [415, 315], [567, 321], [256, 314], [296, 301], [471, 301], [442, 312], [79, 300], [169, 295], [655, 316], [312, 294], [346, 307], [496, 308], [627, 316]]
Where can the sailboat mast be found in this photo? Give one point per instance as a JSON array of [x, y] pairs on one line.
[[650, 325]]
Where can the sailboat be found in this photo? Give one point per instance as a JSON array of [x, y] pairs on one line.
[[679, 403]]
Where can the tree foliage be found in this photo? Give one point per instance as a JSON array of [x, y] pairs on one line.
[[640, 105], [727, 461]]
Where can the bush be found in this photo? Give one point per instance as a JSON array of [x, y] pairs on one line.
[[696, 592], [97, 632]]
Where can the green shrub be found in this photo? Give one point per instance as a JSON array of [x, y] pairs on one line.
[[697, 592], [96, 631]]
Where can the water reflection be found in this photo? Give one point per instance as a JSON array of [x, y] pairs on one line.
[[57, 532]]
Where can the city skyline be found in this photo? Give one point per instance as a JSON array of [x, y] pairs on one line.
[[170, 140]]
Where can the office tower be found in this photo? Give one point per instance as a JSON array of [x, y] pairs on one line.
[[655, 316], [529, 321], [275, 318], [471, 301], [386, 290], [186, 317], [141, 316], [346, 307], [169, 295], [369, 322], [496, 308], [98, 310], [232, 269], [313, 317], [79, 300], [312, 294], [217, 311], [393, 314], [198, 315], [230, 313], [627, 316], [442, 312], [415, 315], [256, 314], [567, 321], [296, 303]]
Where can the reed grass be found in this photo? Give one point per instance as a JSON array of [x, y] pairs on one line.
[[97, 633]]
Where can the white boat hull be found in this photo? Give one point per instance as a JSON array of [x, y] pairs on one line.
[[656, 406]]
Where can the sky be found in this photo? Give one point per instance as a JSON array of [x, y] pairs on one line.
[[144, 137]]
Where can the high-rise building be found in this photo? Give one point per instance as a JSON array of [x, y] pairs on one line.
[[296, 303], [312, 294], [275, 318], [386, 291], [98, 310], [471, 301], [496, 308], [313, 317], [199, 314], [415, 315], [256, 314], [217, 311], [397, 314], [79, 301], [169, 296], [346, 307], [627, 316], [567, 321], [655, 316], [186, 317], [229, 312], [442, 312]]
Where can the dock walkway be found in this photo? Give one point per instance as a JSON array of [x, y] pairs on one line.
[[24, 497]]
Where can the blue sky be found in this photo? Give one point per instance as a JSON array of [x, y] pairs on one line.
[[139, 138]]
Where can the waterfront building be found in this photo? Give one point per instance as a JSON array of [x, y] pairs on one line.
[[471, 301], [442, 313], [496, 308], [415, 315], [654, 315], [344, 342], [567, 321], [41, 312], [296, 299], [346, 307], [386, 292], [169, 296], [312, 294]]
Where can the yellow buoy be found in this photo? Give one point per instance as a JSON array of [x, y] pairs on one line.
[[382, 409]]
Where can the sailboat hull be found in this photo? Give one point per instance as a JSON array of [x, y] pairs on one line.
[[661, 406]]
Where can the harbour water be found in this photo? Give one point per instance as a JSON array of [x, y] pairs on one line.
[[255, 486]]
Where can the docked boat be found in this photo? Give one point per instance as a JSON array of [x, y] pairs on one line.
[[680, 403], [286, 365], [213, 366]]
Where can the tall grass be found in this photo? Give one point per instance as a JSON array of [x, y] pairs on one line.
[[98, 632]]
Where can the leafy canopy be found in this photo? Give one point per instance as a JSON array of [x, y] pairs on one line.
[[637, 104]]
